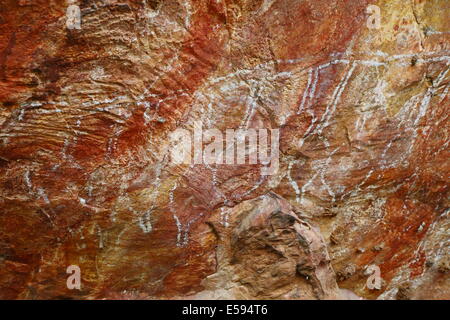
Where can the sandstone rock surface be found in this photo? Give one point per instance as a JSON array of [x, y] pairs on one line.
[[86, 177]]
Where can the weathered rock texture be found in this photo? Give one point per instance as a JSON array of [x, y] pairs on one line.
[[85, 176]]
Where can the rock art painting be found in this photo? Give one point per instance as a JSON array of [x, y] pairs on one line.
[[224, 149]]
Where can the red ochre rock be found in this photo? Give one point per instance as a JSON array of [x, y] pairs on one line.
[[86, 176]]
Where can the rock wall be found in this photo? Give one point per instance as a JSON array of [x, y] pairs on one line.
[[86, 176]]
